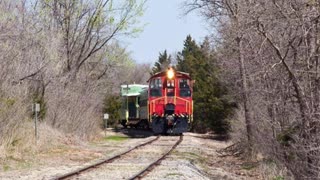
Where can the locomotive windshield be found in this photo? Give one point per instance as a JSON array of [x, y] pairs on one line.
[[184, 85], [156, 87], [170, 87]]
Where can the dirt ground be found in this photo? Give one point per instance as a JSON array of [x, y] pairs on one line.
[[196, 157]]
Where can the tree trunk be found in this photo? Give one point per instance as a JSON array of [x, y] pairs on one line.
[[248, 119]]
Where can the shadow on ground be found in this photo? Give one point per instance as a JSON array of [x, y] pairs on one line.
[[134, 133], [143, 133], [216, 137]]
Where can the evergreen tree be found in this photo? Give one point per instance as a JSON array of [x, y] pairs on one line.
[[111, 105], [211, 105], [163, 62]]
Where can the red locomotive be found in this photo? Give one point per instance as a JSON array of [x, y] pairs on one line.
[[165, 104], [170, 101]]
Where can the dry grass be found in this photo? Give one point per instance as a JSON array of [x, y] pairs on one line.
[[270, 170], [23, 142]]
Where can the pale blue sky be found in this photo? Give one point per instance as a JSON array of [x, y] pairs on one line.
[[166, 28]]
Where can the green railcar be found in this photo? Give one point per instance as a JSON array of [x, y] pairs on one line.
[[134, 112]]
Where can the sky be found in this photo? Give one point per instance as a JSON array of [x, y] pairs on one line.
[[166, 29]]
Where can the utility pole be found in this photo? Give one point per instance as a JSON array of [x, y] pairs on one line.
[[127, 109], [36, 110], [105, 118]]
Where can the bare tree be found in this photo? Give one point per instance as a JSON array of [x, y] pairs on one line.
[[64, 55], [219, 10], [278, 42], [88, 26]]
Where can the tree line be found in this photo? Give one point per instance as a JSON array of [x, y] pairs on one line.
[[268, 52], [256, 76], [65, 55], [212, 103]]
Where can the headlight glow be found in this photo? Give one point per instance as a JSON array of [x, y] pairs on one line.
[[170, 73]]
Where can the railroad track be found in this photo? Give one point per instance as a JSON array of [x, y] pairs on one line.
[[107, 162]]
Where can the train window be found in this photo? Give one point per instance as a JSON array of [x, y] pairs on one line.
[[185, 92], [184, 88], [156, 92], [156, 83], [183, 83], [152, 84], [170, 83], [156, 87], [170, 92]]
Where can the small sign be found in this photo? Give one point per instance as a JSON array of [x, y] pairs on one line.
[[36, 107], [106, 116]]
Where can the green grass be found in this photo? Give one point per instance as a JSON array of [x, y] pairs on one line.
[[23, 165], [174, 174], [189, 155], [249, 165], [278, 178], [115, 138], [6, 167], [14, 164]]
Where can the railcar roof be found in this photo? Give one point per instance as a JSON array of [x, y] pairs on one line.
[[133, 89], [164, 73]]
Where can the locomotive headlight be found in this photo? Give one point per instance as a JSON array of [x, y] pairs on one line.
[[170, 73]]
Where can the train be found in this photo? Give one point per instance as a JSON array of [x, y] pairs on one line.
[[164, 104]]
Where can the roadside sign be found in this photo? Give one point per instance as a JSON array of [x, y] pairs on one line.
[[36, 107]]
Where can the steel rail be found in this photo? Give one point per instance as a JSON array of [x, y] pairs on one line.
[[145, 171], [108, 160]]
